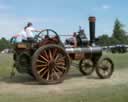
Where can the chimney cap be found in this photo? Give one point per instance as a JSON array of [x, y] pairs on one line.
[[92, 18]]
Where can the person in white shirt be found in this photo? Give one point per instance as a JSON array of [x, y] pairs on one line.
[[30, 30], [26, 33]]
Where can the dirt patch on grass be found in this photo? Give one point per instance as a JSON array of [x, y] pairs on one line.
[[25, 85]]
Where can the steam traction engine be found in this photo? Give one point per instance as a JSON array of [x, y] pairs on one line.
[[48, 60]]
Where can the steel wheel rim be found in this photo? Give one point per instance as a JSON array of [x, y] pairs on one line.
[[105, 67], [87, 66]]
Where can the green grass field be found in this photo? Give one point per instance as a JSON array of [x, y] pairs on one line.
[[6, 63], [106, 93]]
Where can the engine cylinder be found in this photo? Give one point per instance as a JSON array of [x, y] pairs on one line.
[[90, 50]]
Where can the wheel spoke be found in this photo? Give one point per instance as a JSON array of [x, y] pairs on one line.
[[83, 65], [102, 70], [48, 75], [42, 65], [50, 55], [56, 74], [41, 61], [60, 63], [46, 54], [106, 73], [41, 70], [54, 53], [109, 64], [57, 57], [61, 67], [62, 58], [44, 58], [44, 73], [57, 69]]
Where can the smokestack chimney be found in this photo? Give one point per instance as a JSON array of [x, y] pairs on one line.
[[92, 20]]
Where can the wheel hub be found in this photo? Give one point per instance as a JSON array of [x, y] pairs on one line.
[[87, 65], [51, 65], [105, 68]]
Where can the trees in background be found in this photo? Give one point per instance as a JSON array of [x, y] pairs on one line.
[[119, 33], [119, 36], [103, 40], [4, 44]]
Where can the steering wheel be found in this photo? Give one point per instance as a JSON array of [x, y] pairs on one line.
[[47, 33]]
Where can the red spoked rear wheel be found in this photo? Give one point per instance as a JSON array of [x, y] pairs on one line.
[[50, 64]]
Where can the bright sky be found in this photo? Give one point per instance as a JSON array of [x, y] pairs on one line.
[[64, 16]]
